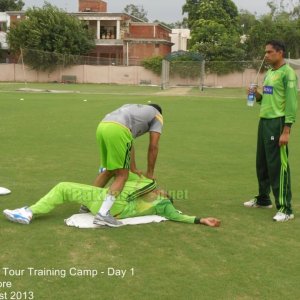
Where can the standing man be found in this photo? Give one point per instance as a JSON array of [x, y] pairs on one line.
[[115, 135], [277, 114]]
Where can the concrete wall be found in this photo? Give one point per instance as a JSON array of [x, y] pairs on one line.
[[140, 51], [121, 75], [85, 74], [149, 31]]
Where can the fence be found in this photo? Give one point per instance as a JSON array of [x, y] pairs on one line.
[[132, 75]]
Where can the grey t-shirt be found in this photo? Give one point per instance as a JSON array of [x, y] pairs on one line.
[[138, 118]]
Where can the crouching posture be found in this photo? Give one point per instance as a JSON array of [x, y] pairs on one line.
[[140, 197]]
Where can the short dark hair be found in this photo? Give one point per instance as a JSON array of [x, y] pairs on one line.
[[157, 107], [277, 45]]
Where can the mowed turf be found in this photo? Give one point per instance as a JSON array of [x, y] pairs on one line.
[[207, 157]]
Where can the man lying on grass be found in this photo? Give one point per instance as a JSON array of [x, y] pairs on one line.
[[140, 197]]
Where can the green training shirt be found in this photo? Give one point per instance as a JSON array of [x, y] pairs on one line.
[[279, 97]]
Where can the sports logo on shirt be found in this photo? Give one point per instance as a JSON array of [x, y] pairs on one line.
[[268, 90]]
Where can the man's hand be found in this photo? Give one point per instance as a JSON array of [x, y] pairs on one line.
[[254, 89], [284, 138], [212, 222]]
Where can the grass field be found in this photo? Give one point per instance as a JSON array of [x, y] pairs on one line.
[[207, 150]]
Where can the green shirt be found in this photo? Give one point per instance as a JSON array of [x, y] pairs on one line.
[[279, 97], [160, 206]]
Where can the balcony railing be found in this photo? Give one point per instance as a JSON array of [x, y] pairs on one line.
[[110, 42]]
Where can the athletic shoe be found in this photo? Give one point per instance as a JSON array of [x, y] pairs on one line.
[[254, 203], [20, 215], [83, 209], [106, 220], [282, 217]]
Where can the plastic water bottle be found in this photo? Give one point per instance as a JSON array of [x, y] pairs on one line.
[[251, 95]]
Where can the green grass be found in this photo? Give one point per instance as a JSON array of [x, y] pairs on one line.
[[207, 149]]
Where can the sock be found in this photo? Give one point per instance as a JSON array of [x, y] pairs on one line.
[[107, 204]]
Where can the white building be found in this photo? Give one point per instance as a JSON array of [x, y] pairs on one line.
[[4, 24], [180, 39]]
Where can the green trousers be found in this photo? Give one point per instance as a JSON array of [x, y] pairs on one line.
[[92, 197], [272, 166], [64, 192]]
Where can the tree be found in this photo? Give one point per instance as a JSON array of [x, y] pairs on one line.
[[7, 5], [281, 23], [191, 8], [216, 32], [49, 29], [136, 11], [196, 8], [246, 20]]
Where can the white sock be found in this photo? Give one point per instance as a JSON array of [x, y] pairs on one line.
[[107, 204]]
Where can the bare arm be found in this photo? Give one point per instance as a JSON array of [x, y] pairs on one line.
[[212, 222], [152, 153], [133, 168]]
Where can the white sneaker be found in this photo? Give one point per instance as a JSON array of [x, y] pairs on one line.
[[106, 220], [282, 217], [20, 215], [253, 203]]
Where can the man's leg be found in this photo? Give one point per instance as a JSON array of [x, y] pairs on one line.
[[278, 166], [118, 143], [115, 189], [263, 198], [262, 172], [63, 192], [103, 178]]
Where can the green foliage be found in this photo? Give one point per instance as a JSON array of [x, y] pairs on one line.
[[206, 9], [186, 69], [216, 33], [2, 54], [50, 30], [7, 5], [281, 26], [185, 65], [227, 37], [153, 64], [246, 21], [136, 11], [191, 8]]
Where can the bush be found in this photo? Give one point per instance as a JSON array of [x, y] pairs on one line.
[[153, 64]]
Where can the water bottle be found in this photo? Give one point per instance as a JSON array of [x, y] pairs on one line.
[[251, 95]]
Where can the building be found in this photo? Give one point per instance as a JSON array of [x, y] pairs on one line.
[[119, 38], [179, 38], [122, 38]]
